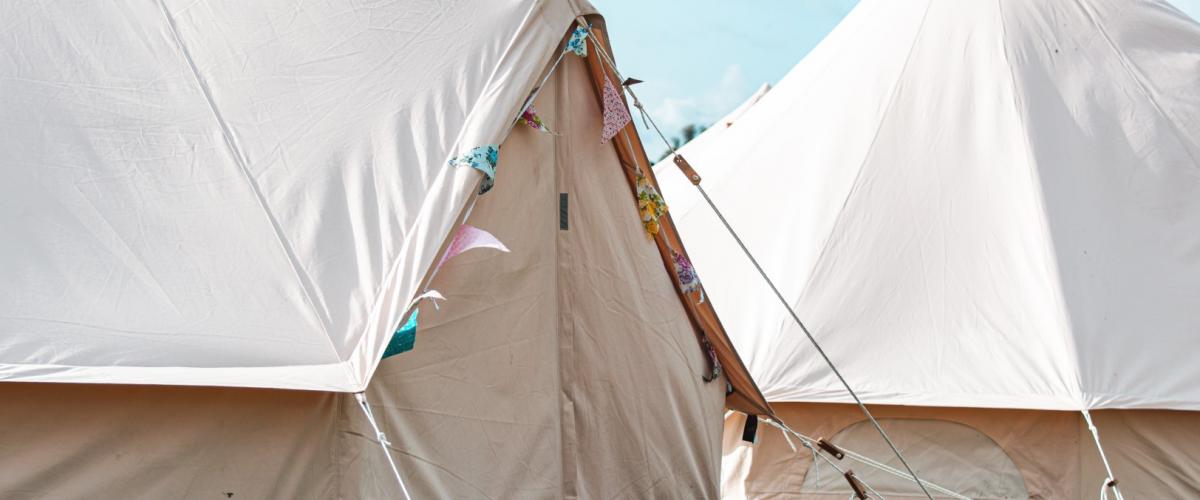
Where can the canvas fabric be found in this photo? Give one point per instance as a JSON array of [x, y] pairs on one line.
[[969, 203], [77, 441], [233, 194], [567, 368], [533, 376], [1153, 452]]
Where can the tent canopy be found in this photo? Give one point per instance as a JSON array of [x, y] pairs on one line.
[[235, 194], [253, 195], [971, 203], [258, 208]]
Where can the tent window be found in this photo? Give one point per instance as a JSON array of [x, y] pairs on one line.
[[950, 454]]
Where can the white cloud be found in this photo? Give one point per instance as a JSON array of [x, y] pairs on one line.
[[673, 112], [705, 107], [730, 92]]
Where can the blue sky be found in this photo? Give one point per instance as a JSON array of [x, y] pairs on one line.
[[701, 58]]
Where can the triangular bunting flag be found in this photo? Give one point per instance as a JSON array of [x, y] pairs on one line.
[[650, 205], [688, 281], [405, 337], [532, 119], [483, 159], [578, 42], [468, 237], [615, 114]]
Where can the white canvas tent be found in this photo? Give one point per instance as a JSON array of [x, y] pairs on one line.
[[246, 198], [988, 212]]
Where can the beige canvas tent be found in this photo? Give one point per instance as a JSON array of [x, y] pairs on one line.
[[988, 212], [217, 214]]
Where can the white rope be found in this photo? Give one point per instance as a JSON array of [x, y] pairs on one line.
[[536, 90], [807, 442], [815, 344], [787, 306], [860, 459], [383, 441], [899, 473], [646, 116], [1111, 480]]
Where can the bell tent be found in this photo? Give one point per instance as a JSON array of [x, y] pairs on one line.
[[219, 216], [988, 215]]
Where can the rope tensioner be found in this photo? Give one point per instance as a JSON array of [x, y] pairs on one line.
[[687, 169], [860, 491], [695, 180], [830, 448]]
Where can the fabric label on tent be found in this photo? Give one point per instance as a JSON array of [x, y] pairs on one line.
[[650, 205], [483, 159], [532, 119], [615, 114], [578, 42], [562, 211], [468, 237], [405, 337]]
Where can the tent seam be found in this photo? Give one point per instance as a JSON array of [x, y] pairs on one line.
[[1039, 198], [564, 325], [240, 159], [870, 148], [1138, 79], [378, 295]]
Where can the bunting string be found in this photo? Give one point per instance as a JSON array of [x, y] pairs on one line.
[[808, 443], [484, 159], [604, 56]]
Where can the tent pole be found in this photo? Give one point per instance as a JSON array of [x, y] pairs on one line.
[[383, 442], [1111, 480]]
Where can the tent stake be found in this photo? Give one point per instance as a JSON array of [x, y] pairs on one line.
[[383, 442]]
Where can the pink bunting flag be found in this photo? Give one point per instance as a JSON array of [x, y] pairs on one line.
[[615, 114], [468, 237]]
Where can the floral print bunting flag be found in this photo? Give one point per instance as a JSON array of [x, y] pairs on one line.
[[688, 281], [578, 42], [483, 159], [615, 114], [650, 205], [532, 119]]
